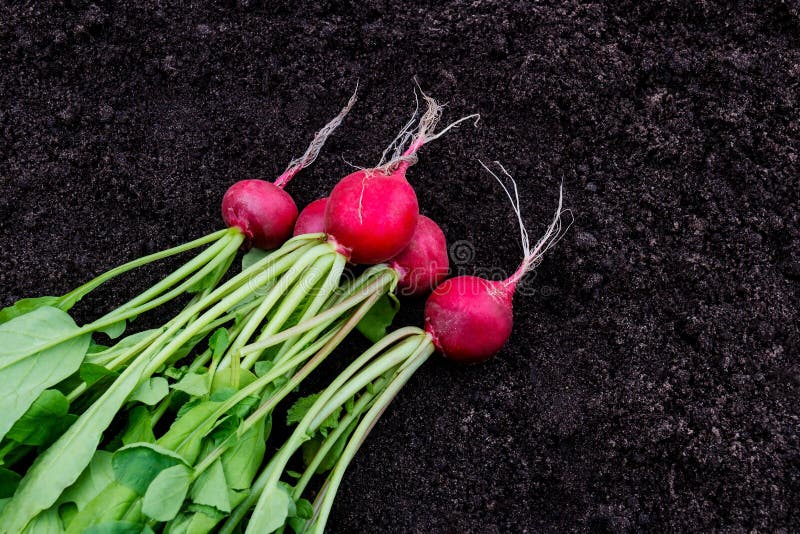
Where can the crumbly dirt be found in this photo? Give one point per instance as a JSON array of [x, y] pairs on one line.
[[652, 380]]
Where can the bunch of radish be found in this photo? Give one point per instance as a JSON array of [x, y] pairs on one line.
[[468, 319], [167, 429]]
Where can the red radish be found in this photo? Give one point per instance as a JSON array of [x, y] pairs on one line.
[[312, 219], [263, 211], [372, 213], [470, 318], [423, 264]]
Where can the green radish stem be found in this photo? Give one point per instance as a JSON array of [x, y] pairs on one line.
[[322, 258], [252, 389], [286, 282], [324, 502], [222, 305], [295, 298], [136, 349], [172, 338], [319, 319], [327, 401], [292, 345], [396, 353], [219, 252], [346, 385], [198, 362], [346, 427], [331, 342], [325, 293], [288, 274], [283, 367], [266, 408], [71, 298], [228, 242]]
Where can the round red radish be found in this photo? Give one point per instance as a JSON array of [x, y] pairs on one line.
[[371, 215], [312, 219], [423, 264], [469, 318], [264, 212]]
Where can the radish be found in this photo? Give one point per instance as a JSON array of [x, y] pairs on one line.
[[470, 318], [372, 214], [263, 211], [312, 219], [423, 264]]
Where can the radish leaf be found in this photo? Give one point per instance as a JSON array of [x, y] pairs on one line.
[[374, 324], [91, 373], [194, 384], [218, 342], [94, 479], [299, 409], [48, 522], [37, 350], [242, 461], [45, 420], [114, 330], [138, 464], [23, 306], [9, 481], [151, 391], [118, 527], [140, 427], [211, 489], [165, 494], [304, 509], [271, 511], [253, 256], [184, 436]]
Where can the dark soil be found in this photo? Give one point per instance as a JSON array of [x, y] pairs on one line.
[[652, 380]]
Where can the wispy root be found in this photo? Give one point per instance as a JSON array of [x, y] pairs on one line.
[[555, 231], [416, 133], [316, 145]]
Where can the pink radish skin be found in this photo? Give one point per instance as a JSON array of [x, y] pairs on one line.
[[312, 219], [470, 318], [423, 264], [372, 213], [263, 211], [372, 216]]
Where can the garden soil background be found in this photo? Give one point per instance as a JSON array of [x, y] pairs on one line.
[[651, 382]]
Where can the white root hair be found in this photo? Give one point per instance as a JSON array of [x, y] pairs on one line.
[[403, 137], [405, 145], [317, 143], [555, 231]]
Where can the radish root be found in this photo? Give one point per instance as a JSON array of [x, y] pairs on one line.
[[415, 137], [316, 145], [555, 231]]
